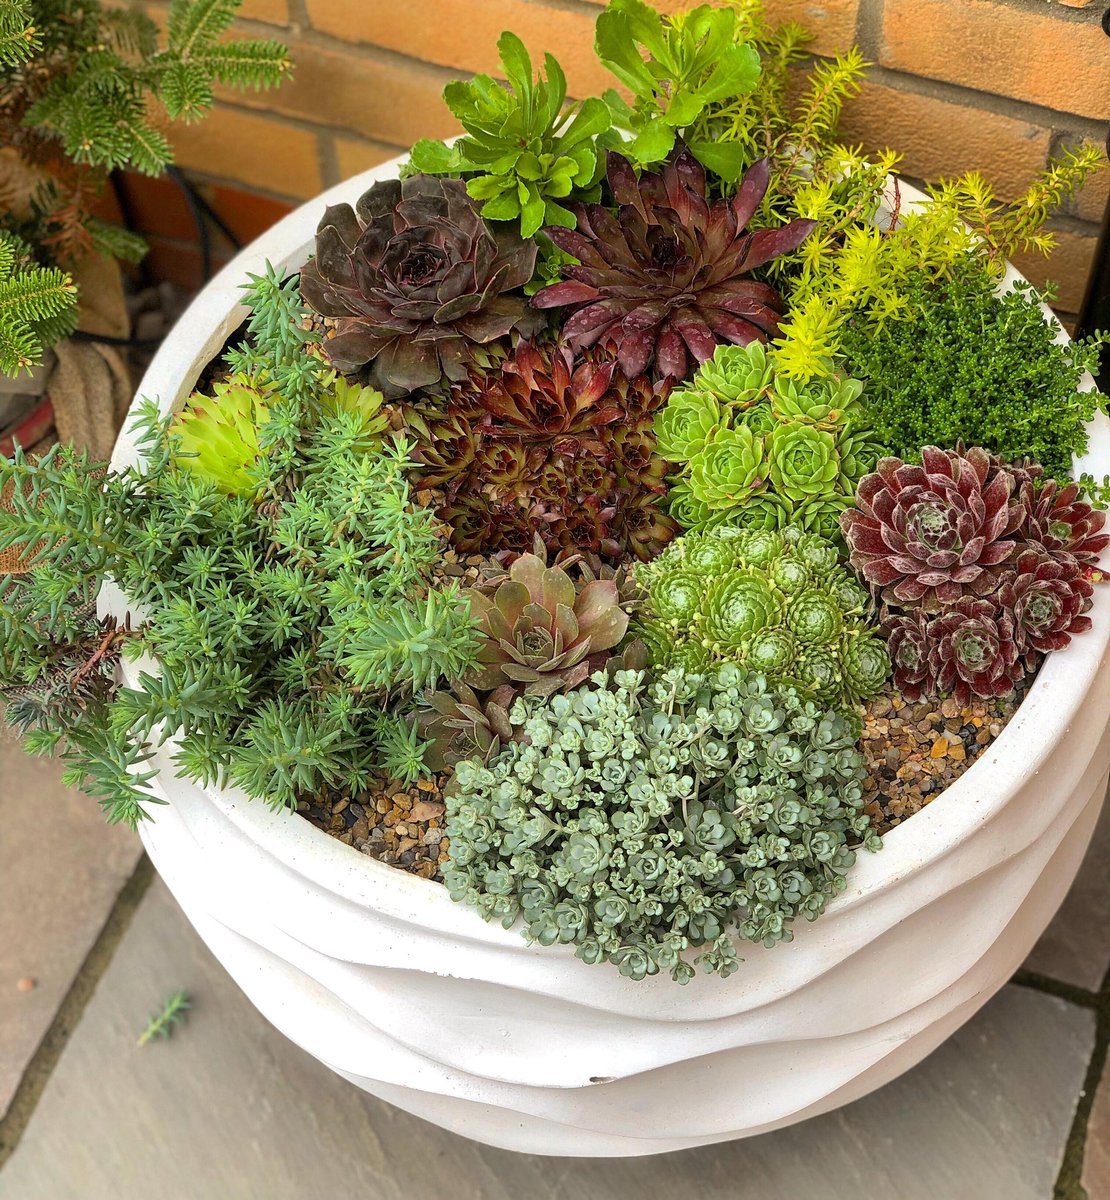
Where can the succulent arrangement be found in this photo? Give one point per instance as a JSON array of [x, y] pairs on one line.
[[595, 475], [756, 448]]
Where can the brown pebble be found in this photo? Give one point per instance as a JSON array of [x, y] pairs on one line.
[[950, 708], [405, 845], [427, 810], [957, 752], [383, 805], [26, 984], [940, 748], [426, 785]]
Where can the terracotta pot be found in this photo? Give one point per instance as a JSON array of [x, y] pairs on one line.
[[416, 999]]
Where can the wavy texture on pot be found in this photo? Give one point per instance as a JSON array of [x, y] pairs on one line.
[[777, 602], [666, 278], [541, 631], [413, 276], [539, 440], [640, 821], [1046, 598], [925, 536], [973, 650]]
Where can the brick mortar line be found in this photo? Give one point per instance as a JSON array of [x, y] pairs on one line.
[[70, 1011]]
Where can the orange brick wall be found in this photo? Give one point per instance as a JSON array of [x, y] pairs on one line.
[[991, 84]]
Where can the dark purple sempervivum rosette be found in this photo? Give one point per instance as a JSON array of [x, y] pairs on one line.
[[924, 536], [412, 276], [973, 650], [1046, 597], [665, 279]]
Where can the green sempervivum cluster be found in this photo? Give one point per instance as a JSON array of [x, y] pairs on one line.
[[777, 602], [638, 821], [758, 449]]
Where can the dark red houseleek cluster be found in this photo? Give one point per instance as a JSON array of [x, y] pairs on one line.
[[666, 278], [981, 568], [539, 440]]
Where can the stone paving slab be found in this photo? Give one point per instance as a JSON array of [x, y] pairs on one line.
[[229, 1110], [1075, 948], [1096, 1160], [61, 868]]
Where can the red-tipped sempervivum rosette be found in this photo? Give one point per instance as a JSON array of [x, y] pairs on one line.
[[973, 650], [666, 278], [925, 536], [1047, 598], [413, 276]]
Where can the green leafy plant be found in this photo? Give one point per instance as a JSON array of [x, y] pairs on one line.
[[675, 68], [753, 447], [163, 1023], [967, 364], [37, 307], [84, 90], [637, 821], [524, 151], [775, 603], [291, 625]]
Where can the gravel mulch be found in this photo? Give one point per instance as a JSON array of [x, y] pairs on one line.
[[401, 827], [914, 751]]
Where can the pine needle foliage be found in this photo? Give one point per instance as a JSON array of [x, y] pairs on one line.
[[286, 633], [37, 307], [163, 1023]]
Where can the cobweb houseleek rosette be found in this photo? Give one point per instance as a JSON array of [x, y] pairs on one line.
[[777, 602]]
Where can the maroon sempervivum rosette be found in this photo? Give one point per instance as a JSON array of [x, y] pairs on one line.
[[666, 278], [973, 650], [413, 276], [1060, 523], [909, 641], [925, 536], [1047, 598]]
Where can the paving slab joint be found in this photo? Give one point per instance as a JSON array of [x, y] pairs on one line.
[[68, 1016]]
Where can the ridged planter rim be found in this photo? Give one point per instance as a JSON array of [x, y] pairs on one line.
[[1042, 719]]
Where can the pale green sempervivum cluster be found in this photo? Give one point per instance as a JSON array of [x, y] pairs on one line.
[[776, 602], [637, 821], [758, 449]]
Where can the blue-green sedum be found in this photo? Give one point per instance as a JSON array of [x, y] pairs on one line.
[[640, 821]]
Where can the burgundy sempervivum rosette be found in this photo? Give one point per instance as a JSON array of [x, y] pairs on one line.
[[1047, 598], [414, 276], [925, 536], [973, 651], [909, 642], [666, 278], [1060, 523]]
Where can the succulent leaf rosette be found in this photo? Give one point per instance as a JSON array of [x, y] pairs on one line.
[[413, 276], [758, 449], [666, 278], [928, 535], [538, 440], [982, 567], [776, 602]]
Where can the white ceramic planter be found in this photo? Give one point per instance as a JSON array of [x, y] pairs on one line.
[[416, 999]]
